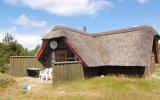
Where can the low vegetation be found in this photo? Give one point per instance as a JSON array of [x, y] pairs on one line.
[[5, 80], [107, 88]]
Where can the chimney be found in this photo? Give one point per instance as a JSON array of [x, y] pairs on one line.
[[84, 28]]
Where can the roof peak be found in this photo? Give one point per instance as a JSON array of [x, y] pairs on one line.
[[58, 27], [117, 31], [125, 30]]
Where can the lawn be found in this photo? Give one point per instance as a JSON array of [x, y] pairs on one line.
[[107, 88]]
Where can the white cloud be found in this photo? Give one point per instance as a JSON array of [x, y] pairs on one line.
[[23, 20], [1, 37], [143, 1], [28, 40], [67, 7]]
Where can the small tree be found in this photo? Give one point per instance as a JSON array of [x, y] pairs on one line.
[[8, 38]]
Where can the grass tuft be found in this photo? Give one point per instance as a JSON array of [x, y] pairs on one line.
[[5, 80]]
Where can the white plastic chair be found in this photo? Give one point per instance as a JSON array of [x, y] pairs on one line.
[[50, 73], [46, 74]]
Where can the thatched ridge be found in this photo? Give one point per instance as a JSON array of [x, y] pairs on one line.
[[125, 47]]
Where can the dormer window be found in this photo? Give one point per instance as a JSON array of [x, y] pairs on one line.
[[62, 53]]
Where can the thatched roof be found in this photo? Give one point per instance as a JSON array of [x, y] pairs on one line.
[[125, 47]]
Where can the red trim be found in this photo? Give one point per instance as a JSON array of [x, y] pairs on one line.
[[73, 50], [44, 44]]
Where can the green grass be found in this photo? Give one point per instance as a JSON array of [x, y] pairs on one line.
[[107, 88], [112, 83], [111, 88]]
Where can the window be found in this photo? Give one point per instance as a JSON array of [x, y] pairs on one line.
[[62, 53], [70, 55]]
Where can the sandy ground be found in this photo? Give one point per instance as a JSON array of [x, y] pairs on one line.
[[33, 80], [34, 83]]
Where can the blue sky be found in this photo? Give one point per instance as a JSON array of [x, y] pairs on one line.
[[30, 20]]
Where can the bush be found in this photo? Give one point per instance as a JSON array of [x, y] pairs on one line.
[[3, 66], [5, 80]]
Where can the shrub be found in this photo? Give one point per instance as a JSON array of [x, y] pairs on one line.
[[2, 65], [5, 80]]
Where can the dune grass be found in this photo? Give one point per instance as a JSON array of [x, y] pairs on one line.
[[107, 88], [5, 80]]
